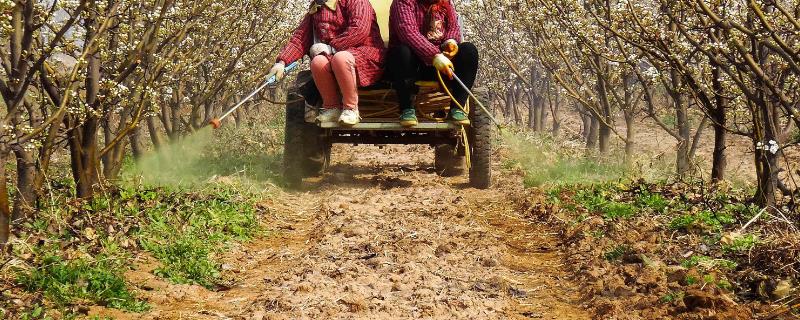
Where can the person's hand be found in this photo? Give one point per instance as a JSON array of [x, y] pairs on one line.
[[277, 71], [320, 48], [444, 65], [450, 48]]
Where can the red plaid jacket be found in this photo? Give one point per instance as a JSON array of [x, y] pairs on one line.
[[408, 27], [352, 27]]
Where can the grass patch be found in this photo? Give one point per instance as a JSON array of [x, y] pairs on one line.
[[185, 232], [546, 162], [708, 263], [737, 243], [616, 253], [672, 297], [596, 200], [704, 219], [67, 282], [652, 201], [185, 259], [186, 238]]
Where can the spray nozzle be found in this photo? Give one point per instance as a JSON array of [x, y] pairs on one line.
[[215, 123]]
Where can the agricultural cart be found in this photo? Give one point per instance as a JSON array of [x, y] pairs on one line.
[[307, 148]]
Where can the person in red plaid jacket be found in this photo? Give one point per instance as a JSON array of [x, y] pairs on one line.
[[425, 38], [344, 41]]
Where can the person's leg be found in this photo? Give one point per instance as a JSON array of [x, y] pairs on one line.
[[466, 67], [403, 70], [402, 65], [322, 73], [344, 68]]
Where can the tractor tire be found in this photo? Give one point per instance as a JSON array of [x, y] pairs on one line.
[[480, 134], [316, 151], [447, 161], [306, 152]]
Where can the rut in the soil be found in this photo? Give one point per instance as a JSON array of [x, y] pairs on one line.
[[384, 237]]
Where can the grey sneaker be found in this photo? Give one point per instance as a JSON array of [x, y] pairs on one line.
[[349, 117], [329, 115]]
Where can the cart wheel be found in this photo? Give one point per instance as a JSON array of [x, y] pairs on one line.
[[480, 135], [305, 150], [447, 161]]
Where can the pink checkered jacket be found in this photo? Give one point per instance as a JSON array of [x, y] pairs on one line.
[[408, 27], [351, 27]]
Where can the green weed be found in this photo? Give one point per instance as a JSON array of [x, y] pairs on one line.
[[37, 311], [186, 238], [703, 220], [741, 210], [590, 199], [616, 253], [739, 244], [652, 201], [708, 263], [596, 201], [672, 297], [65, 282], [618, 210], [186, 260], [724, 284]]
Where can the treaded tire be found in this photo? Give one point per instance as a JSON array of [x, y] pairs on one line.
[[305, 151], [447, 161], [480, 134]]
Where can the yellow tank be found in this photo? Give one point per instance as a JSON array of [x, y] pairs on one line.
[[382, 12]]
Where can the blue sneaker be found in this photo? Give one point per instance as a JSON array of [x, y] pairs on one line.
[[408, 117], [458, 116]]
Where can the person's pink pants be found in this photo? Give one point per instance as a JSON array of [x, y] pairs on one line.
[[336, 80]]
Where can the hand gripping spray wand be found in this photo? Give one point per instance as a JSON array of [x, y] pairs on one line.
[[217, 122]]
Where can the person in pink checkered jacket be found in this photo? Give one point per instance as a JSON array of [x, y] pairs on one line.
[[344, 42], [425, 37]]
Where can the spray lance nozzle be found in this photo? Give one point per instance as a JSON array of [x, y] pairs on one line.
[[217, 122]]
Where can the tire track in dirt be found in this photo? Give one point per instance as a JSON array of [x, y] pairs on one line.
[[383, 237]]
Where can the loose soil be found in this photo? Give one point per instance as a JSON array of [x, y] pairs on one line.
[[382, 237]]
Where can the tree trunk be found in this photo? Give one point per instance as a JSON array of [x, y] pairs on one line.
[[531, 111], [541, 115], [630, 136], [719, 119], [683, 161], [5, 209], [587, 123], [542, 118], [594, 129], [155, 135], [602, 95], [137, 146], [509, 105], [26, 195], [629, 110], [556, 118], [83, 142], [766, 165]]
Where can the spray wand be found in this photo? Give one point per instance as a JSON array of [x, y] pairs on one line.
[[469, 92], [217, 122]]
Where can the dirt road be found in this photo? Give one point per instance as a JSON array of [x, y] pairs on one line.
[[383, 237]]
